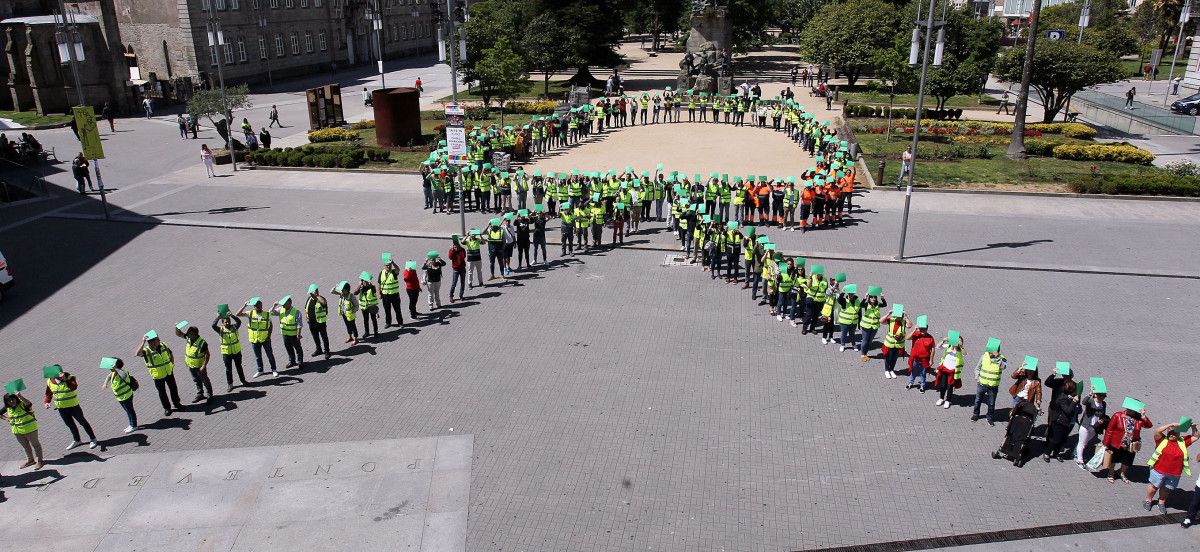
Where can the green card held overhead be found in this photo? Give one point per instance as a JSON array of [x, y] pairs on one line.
[[1031, 363], [897, 310], [254, 301], [818, 270], [763, 239], [874, 291], [52, 371], [1062, 368], [223, 310], [108, 363], [596, 196], [850, 289], [410, 265], [732, 225], [312, 288], [707, 218], [508, 216], [15, 386], [769, 247], [523, 212], [1184, 425], [801, 261], [619, 204], [953, 338], [993, 346], [386, 258], [494, 222], [431, 254], [151, 335], [839, 277], [923, 321], [1098, 386], [1133, 404], [182, 325], [539, 208]]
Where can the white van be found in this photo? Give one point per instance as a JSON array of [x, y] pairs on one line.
[[6, 277]]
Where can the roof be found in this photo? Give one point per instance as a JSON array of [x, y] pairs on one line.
[[81, 18]]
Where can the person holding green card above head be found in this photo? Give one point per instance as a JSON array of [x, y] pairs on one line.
[[348, 310], [1123, 437], [495, 243], [258, 331], [1062, 411], [160, 362], [61, 389], [226, 325], [473, 245], [1169, 461], [18, 412], [868, 323], [316, 310], [290, 320], [368, 301], [196, 357], [1092, 420], [921, 354], [988, 371], [389, 291], [121, 383], [432, 278], [949, 370]]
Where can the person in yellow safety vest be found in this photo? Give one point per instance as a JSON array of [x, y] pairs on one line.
[[949, 371], [849, 314], [988, 371], [786, 303], [598, 216], [160, 362], [290, 322], [122, 385], [827, 316], [389, 292], [583, 221], [226, 325], [368, 301], [814, 298], [316, 311], [196, 357], [567, 230], [348, 310], [258, 331], [896, 326], [18, 412], [1169, 462], [869, 320], [61, 389]]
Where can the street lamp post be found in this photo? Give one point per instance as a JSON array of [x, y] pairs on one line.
[[69, 33], [914, 50], [1184, 17], [375, 16], [451, 47], [262, 28], [216, 43]]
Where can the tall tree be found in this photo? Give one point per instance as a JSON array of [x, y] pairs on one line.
[[502, 72], [848, 35], [208, 104], [655, 17], [970, 53], [550, 48], [1060, 69]]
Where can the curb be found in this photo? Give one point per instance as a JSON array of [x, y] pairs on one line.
[[1088, 270], [1048, 194], [45, 127], [332, 170]]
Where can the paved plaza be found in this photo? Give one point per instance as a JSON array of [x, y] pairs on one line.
[[605, 401]]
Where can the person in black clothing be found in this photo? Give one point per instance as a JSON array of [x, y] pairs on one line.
[[539, 237], [317, 328], [265, 138], [1063, 411], [523, 225]]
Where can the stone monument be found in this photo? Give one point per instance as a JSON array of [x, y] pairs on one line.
[[705, 66]]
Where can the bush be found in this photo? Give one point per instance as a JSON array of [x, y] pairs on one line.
[[1121, 153], [1183, 168], [314, 156], [379, 155], [331, 135], [531, 108], [363, 125], [1040, 148], [1146, 183], [478, 113]]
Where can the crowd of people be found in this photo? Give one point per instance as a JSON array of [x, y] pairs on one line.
[[25, 149]]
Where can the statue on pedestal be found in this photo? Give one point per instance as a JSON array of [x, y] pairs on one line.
[[707, 54]]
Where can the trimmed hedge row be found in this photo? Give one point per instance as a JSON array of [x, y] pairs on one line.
[[1070, 130], [310, 156], [1138, 184], [1120, 153], [858, 110], [331, 135]]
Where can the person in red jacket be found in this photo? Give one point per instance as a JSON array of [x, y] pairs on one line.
[[1123, 437], [458, 268], [1169, 462], [922, 351], [412, 284]]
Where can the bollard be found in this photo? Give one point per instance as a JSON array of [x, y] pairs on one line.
[[879, 181]]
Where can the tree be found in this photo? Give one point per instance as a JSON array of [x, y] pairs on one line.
[[655, 17], [794, 15], [848, 35], [502, 71], [969, 56], [1109, 28], [208, 104], [1060, 69], [550, 48], [750, 19]]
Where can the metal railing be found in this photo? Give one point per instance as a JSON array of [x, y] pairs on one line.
[[1144, 112], [16, 176]]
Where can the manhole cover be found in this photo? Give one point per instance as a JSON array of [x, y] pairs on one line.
[[675, 260]]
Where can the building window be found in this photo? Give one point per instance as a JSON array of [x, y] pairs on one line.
[[290, 4], [403, 32], [235, 4], [274, 3], [278, 45], [412, 31], [316, 3], [262, 48], [212, 55], [257, 5], [228, 52], [220, 4], [303, 3], [321, 41], [308, 44], [205, 4], [241, 45], [295, 45]]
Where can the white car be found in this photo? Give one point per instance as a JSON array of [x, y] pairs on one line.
[[6, 277]]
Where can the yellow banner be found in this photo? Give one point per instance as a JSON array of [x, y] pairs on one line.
[[89, 135]]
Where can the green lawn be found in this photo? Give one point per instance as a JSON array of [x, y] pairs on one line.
[[1133, 67], [1035, 173], [31, 118], [533, 89], [910, 100]]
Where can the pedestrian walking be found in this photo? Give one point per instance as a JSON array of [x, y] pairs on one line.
[[432, 278], [206, 155], [226, 325], [61, 394], [18, 412], [122, 384], [196, 357], [1004, 102], [273, 116], [258, 332], [109, 115], [290, 327], [160, 362], [316, 311], [182, 124], [194, 124], [148, 106], [1169, 461], [1129, 95]]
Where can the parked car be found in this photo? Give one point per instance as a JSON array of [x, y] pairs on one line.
[[1189, 105], [6, 277]]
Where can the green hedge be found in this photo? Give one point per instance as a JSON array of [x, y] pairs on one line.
[[311, 156], [1121, 153], [859, 110], [1151, 183]]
